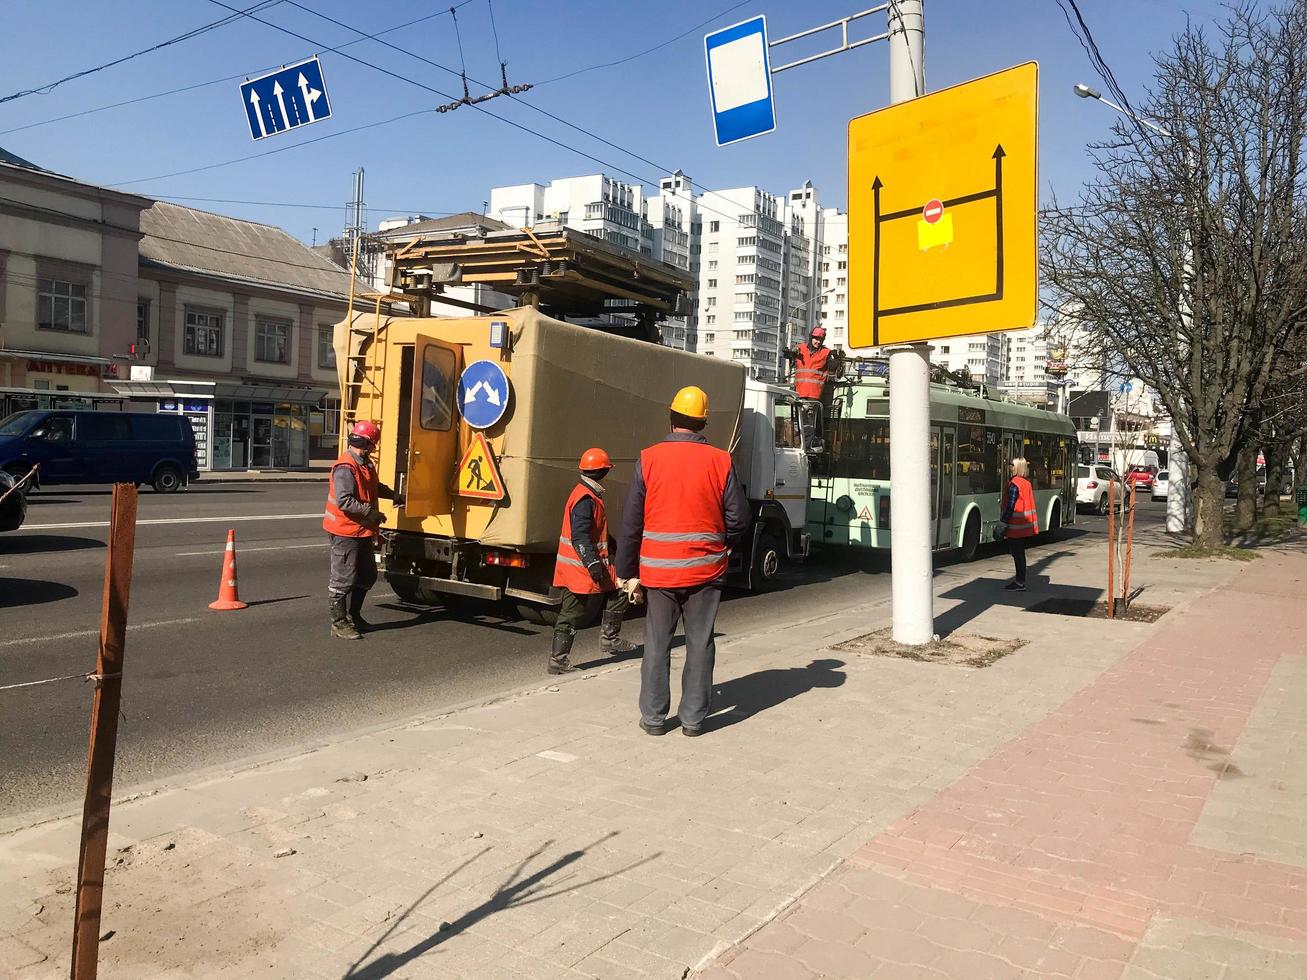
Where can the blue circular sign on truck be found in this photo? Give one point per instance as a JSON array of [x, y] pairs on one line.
[[483, 392]]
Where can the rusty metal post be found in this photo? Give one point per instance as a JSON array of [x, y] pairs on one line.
[[1129, 547], [1111, 549], [104, 732]]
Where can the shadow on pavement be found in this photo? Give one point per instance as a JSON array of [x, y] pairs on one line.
[[268, 602], [515, 892], [32, 592], [425, 614], [756, 692], [983, 593], [18, 543]]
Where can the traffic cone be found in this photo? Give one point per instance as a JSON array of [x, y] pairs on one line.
[[228, 595]]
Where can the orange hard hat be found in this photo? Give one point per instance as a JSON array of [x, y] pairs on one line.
[[595, 459]]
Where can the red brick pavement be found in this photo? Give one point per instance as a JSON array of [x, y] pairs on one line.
[[1051, 857]]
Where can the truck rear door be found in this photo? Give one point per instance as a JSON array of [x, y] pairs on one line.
[[433, 428]]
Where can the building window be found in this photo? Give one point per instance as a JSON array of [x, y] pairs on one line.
[[204, 333], [61, 305], [712, 283], [272, 341], [710, 301], [712, 264], [708, 338], [710, 319], [143, 321], [714, 226], [326, 352]]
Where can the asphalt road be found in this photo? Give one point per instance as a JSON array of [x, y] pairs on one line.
[[209, 689]]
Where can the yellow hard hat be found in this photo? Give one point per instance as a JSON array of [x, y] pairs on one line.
[[692, 402]]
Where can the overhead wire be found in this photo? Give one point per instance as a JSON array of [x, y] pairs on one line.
[[196, 32]]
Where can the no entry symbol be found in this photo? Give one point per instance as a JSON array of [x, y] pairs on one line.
[[933, 211]]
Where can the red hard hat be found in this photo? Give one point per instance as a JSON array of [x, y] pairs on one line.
[[595, 459], [818, 331], [367, 430]]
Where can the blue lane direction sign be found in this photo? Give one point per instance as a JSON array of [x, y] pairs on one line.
[[286, 99], [739, 81], [483, 391]]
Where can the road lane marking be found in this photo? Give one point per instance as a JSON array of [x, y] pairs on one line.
[[243, 550], [28, 640], [178, 520]]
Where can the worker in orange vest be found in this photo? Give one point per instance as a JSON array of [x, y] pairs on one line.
[[1019, 520], [352, 521], [684, 511], [583, 570], [812, 364]]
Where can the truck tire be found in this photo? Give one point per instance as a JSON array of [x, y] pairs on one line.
[[167, 479], [768, 558], [971, 537]]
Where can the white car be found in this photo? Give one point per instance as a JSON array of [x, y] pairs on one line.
[[1160, 485], [1092, 486]]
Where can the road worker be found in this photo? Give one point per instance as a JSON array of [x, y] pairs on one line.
[[813, 365], [583, 569], [1019, 520], [685, 510], [351, 521]]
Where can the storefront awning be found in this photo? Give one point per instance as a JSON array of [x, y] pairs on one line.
[[45, 355], [218, 389]]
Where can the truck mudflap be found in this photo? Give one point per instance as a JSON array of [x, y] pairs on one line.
[[446, 585]]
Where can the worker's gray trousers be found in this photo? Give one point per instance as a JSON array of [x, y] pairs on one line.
[[353, 564], [666, 607]]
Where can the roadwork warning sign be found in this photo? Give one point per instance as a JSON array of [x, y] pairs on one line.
[[478, 476]]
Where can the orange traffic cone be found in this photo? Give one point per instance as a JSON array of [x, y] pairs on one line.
[[228, 595]]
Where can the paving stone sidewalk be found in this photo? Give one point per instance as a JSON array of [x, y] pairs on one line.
[[1110, 793]]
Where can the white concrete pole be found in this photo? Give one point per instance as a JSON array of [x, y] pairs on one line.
[[911, 548]]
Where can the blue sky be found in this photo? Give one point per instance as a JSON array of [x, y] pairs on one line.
[[655, 106]]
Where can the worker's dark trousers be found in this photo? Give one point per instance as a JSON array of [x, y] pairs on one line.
[[575, 609], [1017, 548], [353, 565], [666, 607]]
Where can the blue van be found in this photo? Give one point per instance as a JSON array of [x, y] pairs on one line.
[[100, 447]]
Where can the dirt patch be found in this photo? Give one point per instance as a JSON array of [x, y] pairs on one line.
[[958, 650], [1194, 552], [1093, 609]]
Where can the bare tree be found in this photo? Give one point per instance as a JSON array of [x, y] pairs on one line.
[[1186, 257]]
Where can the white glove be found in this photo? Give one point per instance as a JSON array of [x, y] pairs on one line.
[[631, 587]]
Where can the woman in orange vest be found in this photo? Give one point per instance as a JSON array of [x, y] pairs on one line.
[[351, 521], [1019, 520], [583, 570]]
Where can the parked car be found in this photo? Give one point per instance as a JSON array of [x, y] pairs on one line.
[[1093, 487], [1161, 485], [100, 447], [14, 509], [1142, 478]]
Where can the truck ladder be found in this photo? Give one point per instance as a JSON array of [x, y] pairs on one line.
[[365, 380]]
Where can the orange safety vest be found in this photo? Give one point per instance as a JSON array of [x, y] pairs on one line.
[[335, 521], [1024, 522], [810, 371], [569, 572], [684, 542]]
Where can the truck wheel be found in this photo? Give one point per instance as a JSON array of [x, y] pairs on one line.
[[768, 557], [971, 537], [167, 479]]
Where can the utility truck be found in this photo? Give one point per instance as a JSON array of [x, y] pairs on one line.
[[483, 420]]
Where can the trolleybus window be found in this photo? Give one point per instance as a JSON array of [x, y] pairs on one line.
[[860, 449], [978, 462]]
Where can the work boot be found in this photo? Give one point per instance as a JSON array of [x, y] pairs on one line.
[[341, 627], [610, 636], [356, 597], [559, 662]]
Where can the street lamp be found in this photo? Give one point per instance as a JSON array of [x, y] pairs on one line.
[[1179, 497]]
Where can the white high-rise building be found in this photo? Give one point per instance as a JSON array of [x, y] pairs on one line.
[[832, 280], [595, 203], [674, 216], [1029, 352], [982, 356]]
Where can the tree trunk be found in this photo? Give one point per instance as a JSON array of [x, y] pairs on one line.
[[1274, 481], [1245, 508], [1209, 509]]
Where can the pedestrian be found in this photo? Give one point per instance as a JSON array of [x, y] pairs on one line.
[[684, 511], [352, 521], [814, 364], [1019, 520], [583, 569]]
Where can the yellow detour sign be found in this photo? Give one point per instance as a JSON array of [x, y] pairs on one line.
[[478, 476], [942, 238]]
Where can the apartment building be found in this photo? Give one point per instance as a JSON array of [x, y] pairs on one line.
[[674, 217], [594, 203]]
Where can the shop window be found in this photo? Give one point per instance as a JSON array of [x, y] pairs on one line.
[[272, 341], [204, 332], [143, 321], [61, 305], [326, 352]]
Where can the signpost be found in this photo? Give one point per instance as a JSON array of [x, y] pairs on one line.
[[483, 392], [942, 200], [285, 99], [739, 81]]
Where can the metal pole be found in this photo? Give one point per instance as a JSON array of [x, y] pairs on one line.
[[104, 732], [911, 544], [1111, 549], [1129, 549]]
